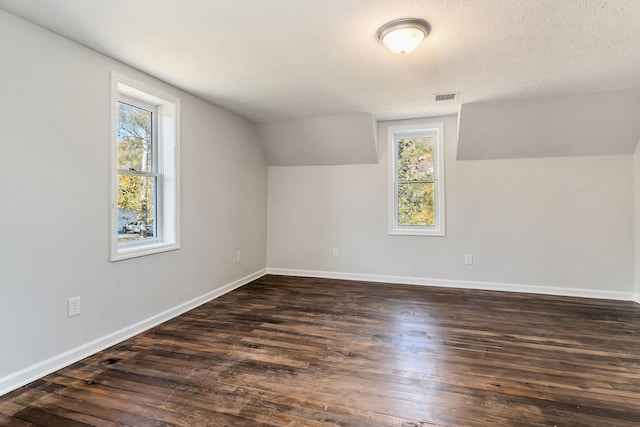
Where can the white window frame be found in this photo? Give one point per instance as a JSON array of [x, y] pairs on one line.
[[167, 149], [428, 129]]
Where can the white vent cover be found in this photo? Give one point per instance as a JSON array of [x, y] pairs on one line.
[[446, 96]]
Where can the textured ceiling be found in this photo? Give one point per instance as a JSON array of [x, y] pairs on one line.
[[274, 60]]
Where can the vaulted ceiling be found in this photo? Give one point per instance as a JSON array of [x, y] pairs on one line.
[[290, 60], [273, 60]]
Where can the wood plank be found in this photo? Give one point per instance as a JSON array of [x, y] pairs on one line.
[[289, 351]]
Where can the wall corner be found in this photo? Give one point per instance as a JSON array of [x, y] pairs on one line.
[[636, 220]]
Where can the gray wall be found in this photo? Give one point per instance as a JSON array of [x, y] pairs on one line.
[[555, 225], [553, 126], [54, 187], [334, 140]]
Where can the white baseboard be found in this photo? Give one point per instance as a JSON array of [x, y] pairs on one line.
[[488, 286], [33, 372]]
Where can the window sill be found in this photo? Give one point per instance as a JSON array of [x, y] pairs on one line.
[[417, 232], [143, 250]]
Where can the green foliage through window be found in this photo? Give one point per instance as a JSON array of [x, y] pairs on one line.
[[415, 177], [137, 180]]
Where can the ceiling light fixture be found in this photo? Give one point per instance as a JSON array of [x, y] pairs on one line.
[[403, 35]]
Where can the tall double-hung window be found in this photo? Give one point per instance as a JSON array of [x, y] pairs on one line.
[[416, 179], [144, 205]]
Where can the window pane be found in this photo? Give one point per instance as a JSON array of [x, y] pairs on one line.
[[415, 159], [136, 207], [416, 204], [134, 138]]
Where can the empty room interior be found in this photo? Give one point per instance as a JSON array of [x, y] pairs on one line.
[[274, 212]]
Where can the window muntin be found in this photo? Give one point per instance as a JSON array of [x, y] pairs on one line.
[[145, 170], [416, 180]]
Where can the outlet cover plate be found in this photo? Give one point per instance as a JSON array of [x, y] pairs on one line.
[[73, 306]]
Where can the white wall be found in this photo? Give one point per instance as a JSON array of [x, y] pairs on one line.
[[636, 212], [54, 192], [555, 225]]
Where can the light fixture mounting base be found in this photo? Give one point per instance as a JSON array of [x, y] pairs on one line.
[[397, 24]]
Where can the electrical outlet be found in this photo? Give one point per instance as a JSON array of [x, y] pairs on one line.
[[73, 306], [237, 256], [335, 253], [468, 259]]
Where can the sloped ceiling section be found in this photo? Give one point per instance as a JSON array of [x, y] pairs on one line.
[[603, 123], [334, 140]]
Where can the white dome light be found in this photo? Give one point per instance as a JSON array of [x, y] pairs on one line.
[[403, 35]]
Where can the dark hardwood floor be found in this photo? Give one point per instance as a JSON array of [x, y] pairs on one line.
[[287, 351]]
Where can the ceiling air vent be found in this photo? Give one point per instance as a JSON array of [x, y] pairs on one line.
[[446, 96]]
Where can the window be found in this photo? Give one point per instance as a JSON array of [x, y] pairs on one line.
[[144, 202], [416, 179]]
